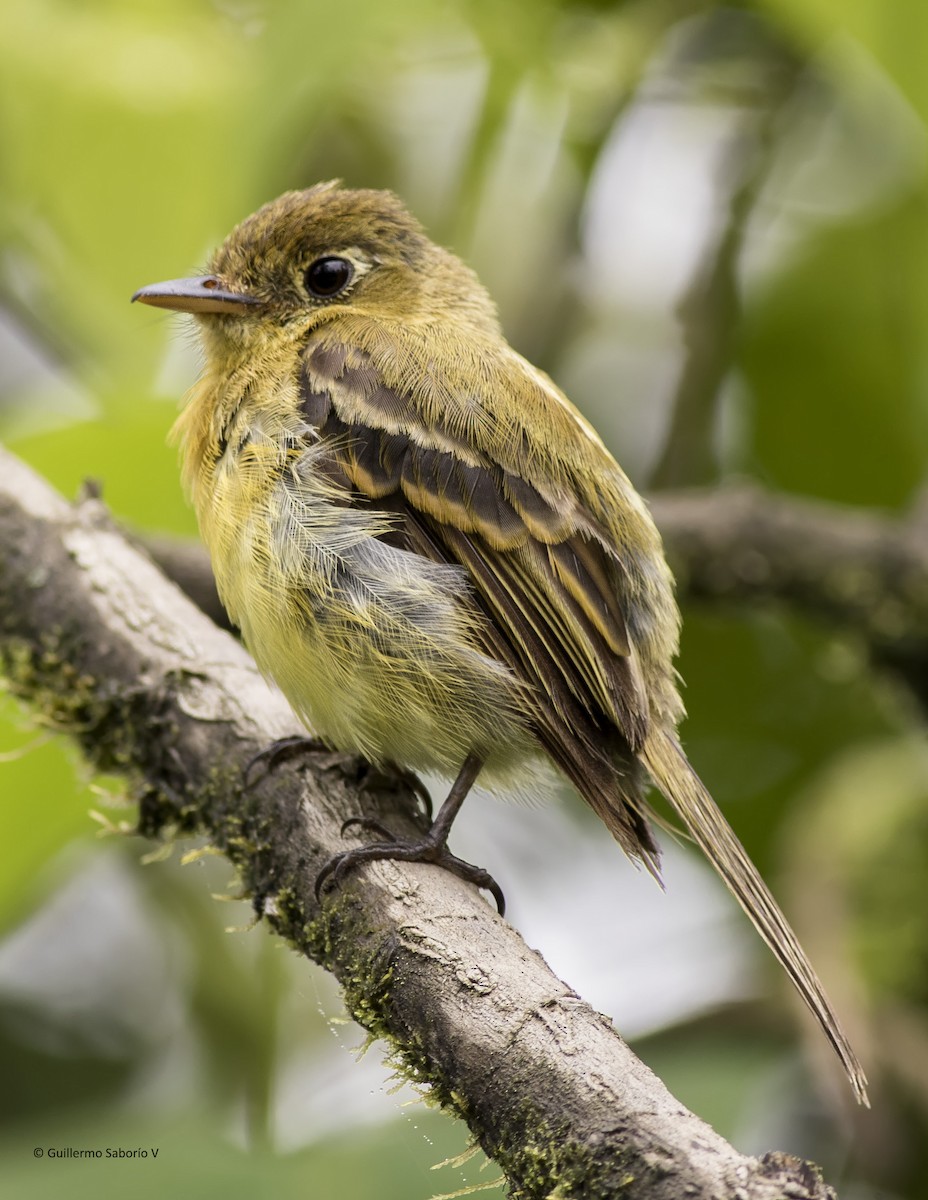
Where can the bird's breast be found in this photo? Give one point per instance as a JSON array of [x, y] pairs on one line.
[[375, 646]]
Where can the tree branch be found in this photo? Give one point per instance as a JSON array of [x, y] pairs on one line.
[[858, 570], [105, 647]]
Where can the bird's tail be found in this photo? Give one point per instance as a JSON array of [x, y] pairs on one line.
[[671, 771]]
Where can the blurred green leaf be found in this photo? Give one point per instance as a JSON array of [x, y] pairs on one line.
[[127, 454], [42, 811], [834, 354], [894, 36]]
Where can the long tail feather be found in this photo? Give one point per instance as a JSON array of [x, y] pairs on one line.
[[671, 771]]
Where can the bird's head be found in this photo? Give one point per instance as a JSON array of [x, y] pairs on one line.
[[311, 256]]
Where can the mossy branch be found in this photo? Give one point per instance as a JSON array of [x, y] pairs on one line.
[[95, 637]]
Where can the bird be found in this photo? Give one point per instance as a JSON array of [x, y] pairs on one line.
[[428, 548]]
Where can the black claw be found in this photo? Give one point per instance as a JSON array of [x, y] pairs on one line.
[[324, 874], [368, 823], [421, 792], [477, 876], [390, 773], [277, 752]]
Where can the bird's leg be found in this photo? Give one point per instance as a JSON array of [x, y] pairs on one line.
[[433, 848]]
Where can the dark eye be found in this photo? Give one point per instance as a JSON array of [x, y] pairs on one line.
[[328, 276]]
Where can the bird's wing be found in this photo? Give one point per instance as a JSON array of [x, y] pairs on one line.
[[541, 570]]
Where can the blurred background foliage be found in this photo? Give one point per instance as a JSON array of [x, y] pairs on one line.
[[709, 223]]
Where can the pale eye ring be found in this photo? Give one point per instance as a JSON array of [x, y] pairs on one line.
[[328, 276]]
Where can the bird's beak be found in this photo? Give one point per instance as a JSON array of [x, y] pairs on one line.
[[200, 294]]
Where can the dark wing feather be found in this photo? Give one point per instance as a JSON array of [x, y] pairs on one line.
[[550, 584], [541, 576]]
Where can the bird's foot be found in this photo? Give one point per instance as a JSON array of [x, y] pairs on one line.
[[369, 777], [388, 775], [429, 849], [281, 751]]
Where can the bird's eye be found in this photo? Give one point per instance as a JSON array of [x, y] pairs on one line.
[[328, 276]]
